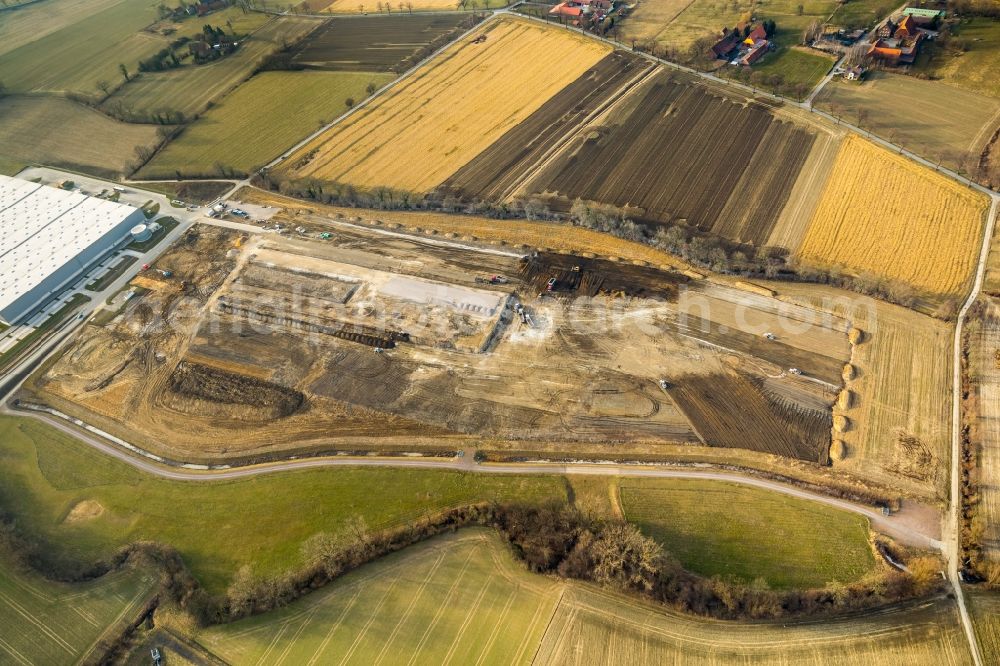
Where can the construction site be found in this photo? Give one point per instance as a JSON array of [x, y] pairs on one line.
[[237, 345]]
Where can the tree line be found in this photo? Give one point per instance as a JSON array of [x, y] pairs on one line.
[[557, 539], [699, 248]]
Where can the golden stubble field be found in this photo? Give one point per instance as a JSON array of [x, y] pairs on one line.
[[463, 599], [898, 413], [883, 214], [435, 121]]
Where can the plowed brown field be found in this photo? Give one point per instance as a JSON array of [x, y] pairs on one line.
[[737, 411], [677, 152]]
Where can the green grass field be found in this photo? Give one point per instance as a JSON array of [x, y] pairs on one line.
[[58, 132], [40, 19], [698, 19], [232, 19], [862, 13], [259, 120], [459, 598], [462, 599], [218, 527], [10, 166], [43, 622], [977, 69], [788, 21], [729, 530], [78, 55], [191, 88], [799, 71]]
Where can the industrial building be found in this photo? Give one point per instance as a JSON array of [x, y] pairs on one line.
[[48, 236]]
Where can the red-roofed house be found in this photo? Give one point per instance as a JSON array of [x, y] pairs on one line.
[[895, 52], [758, 49], [907, 28], [570, 10], [723, 47], [757, 34], [887, 29]]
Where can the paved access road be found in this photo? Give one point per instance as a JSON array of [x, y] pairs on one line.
[[910, 526]]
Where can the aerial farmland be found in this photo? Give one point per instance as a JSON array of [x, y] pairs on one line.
[[519, 332]]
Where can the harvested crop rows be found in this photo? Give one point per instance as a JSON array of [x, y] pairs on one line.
[[882, 213], [592, 626], [681, 154], [985, 607], [899, 421], [375, 43], [460, 598], [495, 173], [54, 623], [737, 411], [429, 125]]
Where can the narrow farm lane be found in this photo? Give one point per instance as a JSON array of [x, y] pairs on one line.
[[953, 531]]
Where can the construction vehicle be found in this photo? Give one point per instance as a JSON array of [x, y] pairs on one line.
[[493, 279], [770, 336], [155, 655], [326, 235], [523, 314], [795, 371], [664, 384], [166, 274]]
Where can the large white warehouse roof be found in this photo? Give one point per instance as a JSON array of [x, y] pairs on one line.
[[44, 228]]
